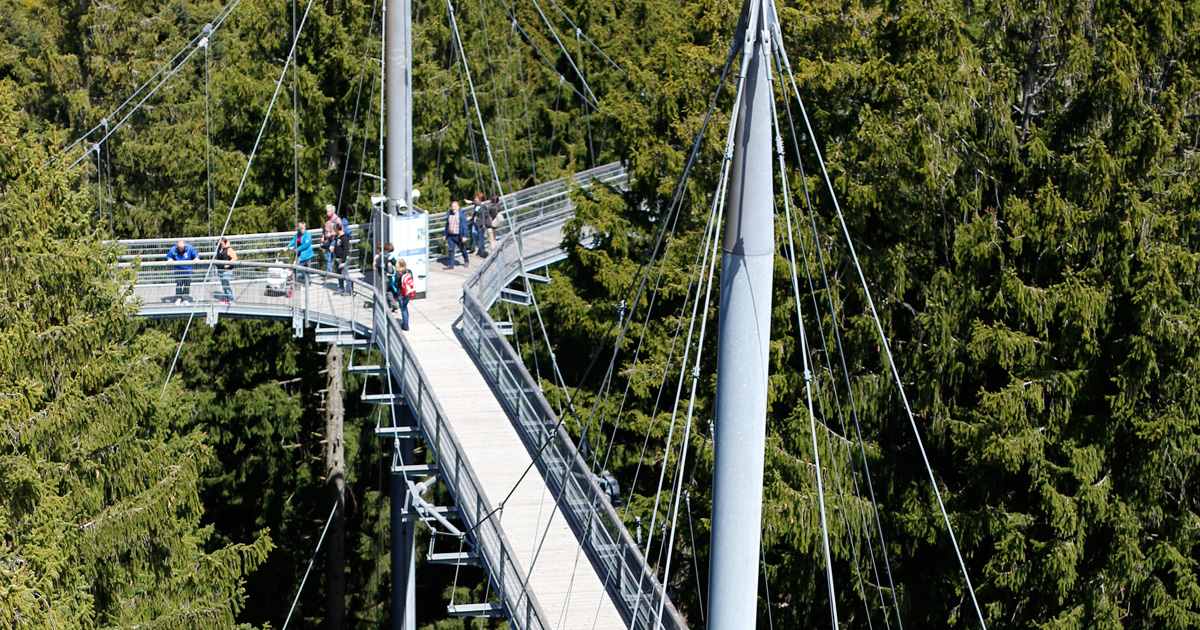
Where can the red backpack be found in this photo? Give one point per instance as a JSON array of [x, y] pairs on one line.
[[407, 289]]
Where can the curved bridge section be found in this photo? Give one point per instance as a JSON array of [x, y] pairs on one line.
[[555, 551]]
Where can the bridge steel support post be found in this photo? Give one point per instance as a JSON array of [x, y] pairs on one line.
[[747, 263], [398, 172], [404, 544], [398, 103]]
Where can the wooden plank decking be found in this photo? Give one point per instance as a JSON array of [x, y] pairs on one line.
[[570, 592]]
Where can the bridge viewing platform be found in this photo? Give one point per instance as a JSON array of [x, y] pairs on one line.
[[553, 547]]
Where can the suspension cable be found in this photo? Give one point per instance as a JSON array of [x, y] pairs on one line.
[[470, 131], [295, 127], [208, 185], [845, 371], [512, 33], [495, 95], [193, 46], [206, 31], [884, 341], [487, 145], [241, 185], [362, 75], [541, 55], [582, 79], [324, 530], [579, 32], [587, 115], [809, 377]]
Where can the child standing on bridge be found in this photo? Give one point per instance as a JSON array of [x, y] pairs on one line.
[[182, 252]]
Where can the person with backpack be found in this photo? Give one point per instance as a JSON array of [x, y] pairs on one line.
[[303, 246], [386, 264], [407, 291], [454, 225], [226, 255], [495, 220], [182, 252]]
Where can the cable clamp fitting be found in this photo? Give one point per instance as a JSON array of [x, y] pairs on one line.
[[208, 28], [695, 373], [203, 43]]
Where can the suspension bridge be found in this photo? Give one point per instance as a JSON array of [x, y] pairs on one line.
[[556, 552], [528, 507]]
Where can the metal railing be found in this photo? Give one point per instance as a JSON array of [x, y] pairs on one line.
[[262, 290], [508, 580], [257, 294], [264, 247], [554, 197], [617, 559]]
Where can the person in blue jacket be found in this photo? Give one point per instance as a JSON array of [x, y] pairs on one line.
[[182, 252], [303, 246]]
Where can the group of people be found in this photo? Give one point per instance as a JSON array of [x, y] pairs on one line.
[[335, 244], [400, 286], [468, 230], [183, 254]]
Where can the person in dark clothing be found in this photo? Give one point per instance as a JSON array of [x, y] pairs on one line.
[[477, 219], [182, 252], [386, 264], [341, 251], [226, 255]]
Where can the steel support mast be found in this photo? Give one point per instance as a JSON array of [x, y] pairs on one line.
[[398, 102], [398, 173], [747, 267]]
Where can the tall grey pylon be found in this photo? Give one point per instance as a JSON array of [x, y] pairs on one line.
[[743, 343], [399, 176], [398, 102]]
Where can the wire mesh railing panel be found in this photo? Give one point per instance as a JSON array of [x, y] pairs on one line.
[[264, 247], [525, 206]]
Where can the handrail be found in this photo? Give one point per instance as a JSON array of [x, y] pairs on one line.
[[508, 580], [263, 246], [540, 199], [617, 559]]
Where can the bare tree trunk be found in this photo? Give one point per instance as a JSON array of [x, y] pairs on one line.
[[335, 474]]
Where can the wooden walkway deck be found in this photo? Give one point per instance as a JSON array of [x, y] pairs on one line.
[[570, 592]]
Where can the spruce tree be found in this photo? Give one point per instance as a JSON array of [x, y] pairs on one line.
[[99, 503]]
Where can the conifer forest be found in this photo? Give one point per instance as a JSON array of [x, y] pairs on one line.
[[1018, 181]]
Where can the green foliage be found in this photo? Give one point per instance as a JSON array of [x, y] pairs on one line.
[[1018, 182], [99, 506]]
